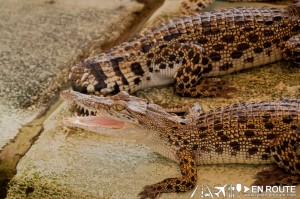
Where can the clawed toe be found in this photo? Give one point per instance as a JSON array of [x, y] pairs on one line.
[[275, 176], [148, 192]]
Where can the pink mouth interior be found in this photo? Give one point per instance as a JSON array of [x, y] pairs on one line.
[[100, 121]]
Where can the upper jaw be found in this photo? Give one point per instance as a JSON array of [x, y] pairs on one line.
[[91, 104]]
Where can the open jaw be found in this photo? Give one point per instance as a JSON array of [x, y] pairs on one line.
[[90, 122]]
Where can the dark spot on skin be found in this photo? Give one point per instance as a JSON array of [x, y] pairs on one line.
[[291, 156], [265, 157], [172, 57], [242, 119], [150, 69], [162, 66], [207, 69], [276, 158], [150, 55], [169, 186], [267, 150], [137, 69], [267, 44], [218, 47], [190, 54], [202, 40], [149, 63], [266, 117], [228, 38], [268, 33], [250, 126], [294, 127], [252, 150], [127, 48], [137, 81], [270, 136], [253, 38], [168, 37], [215, 31], [249, 133], [224, 138], [218, 127], [29, 190], [188, 69], [287, 119], [296, 28], [256, 142], [219, 150], [214, 56], [116, 88], [236, 54], [204, 61], [269, 22], [276, 41], [196, 59], [249, 60], [186, 79], [195, 147], [181, 86], [185, 142], [203, 128], [146, 48], [285, 38], [258, 50], [269, 125], [235, 145], [175, 35], [158, 61], [286, 162], [181, 54], [148, 78], [242, 46], [248, 29], [277, 18], [226, 66], [202, 135], [182, 123]]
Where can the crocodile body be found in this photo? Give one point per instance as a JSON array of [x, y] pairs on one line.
[[248, 133], [190, 51]]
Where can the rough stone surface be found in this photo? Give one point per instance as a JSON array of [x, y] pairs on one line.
[[38, 42]]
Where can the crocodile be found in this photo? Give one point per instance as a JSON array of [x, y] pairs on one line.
[[246, 133], [192, 52]]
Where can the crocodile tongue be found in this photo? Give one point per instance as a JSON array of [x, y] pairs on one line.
[[94, 121]]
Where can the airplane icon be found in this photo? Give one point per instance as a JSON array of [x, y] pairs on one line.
[[221, 190]]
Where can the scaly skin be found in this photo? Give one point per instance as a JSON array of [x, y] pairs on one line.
[[246, 133], [188, 51]]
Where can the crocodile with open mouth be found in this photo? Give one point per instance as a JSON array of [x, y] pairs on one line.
[[246, 133]]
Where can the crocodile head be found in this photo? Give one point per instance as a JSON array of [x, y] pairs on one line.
[[109, 112], [114, 111]]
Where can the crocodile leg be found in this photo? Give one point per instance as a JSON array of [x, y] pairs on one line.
[[189, 81], [184, 183], [292, 50], [285, 151]]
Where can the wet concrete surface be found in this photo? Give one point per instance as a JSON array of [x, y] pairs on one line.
[[73, 163]]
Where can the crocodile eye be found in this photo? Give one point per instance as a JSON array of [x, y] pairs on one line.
[[119, 107]]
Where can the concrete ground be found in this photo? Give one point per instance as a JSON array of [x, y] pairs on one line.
[[72, 163]]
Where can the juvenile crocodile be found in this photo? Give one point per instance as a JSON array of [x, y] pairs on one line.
[[247, 133], [191, 51]]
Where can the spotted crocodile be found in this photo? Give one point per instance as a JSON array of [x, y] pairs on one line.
[[247, 133], [192, 51]]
